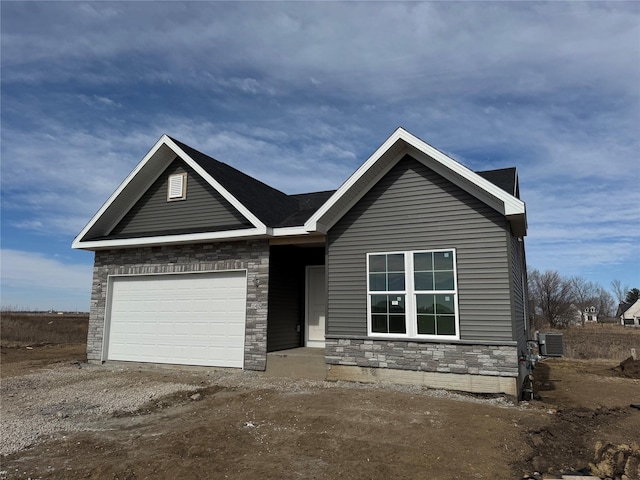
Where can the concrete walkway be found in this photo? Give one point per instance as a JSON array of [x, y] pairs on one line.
[[300, 363]]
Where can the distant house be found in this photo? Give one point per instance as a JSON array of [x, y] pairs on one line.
[[630, 314], [413, 271], [581, 316], [590, 314]]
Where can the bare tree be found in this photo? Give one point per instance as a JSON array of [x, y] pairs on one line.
[[535, 319], [552, 296], [619, 290], [606, 304]]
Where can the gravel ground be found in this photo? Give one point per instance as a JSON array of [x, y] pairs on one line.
[[66, 397], [72, 397], [63, 420]]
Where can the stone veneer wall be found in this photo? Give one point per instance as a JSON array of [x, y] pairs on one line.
[[251, 255], [492, 360]]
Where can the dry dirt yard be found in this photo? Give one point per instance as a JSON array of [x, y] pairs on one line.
[[65, 419]]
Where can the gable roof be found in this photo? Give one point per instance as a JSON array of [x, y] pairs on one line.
[[138, 181], [629, 310], [265, 202], [402, 143], [270, 212]]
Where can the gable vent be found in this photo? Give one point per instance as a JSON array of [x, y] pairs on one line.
[[177, 187]]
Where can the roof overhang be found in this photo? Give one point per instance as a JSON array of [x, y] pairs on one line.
[[133, 187], [402, 143], [399, 144], [182, 239]]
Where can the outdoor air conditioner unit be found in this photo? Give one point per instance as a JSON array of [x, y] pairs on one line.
[[550, 344]]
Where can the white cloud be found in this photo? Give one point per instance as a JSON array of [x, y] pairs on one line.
[[397, 50], [98, 101], [37, 270], [56, 177]]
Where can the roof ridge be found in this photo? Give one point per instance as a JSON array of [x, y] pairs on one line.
[[267, 203], [225, 165]]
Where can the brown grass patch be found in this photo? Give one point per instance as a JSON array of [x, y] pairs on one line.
[[20, 328], [607, 341]]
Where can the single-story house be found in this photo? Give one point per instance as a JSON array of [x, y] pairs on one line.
[[412, 271]]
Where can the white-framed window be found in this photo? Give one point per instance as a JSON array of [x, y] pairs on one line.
[[177, 187], [413, 294]]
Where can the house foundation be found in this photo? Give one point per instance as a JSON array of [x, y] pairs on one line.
[[452, 366]]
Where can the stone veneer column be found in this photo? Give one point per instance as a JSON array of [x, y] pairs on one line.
[[251, 255]]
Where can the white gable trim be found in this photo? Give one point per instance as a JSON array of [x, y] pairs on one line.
[[391, 151], [163, 141], [77, 241], [213, 182], [172, 239]]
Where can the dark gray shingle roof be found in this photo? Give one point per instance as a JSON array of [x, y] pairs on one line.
[[505, 178], [277, 209], [265, 202], [308, 203]]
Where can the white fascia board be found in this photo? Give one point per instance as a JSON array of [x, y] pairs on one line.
[[170, 239], [512, 206], [165, 140], [121, 187], [213, 182], [312, 223], [389, 162], [289, 231]]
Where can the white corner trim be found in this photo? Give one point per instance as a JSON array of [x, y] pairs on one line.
[[170, 239]]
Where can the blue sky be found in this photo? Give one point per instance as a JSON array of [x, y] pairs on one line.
[[300, 94]]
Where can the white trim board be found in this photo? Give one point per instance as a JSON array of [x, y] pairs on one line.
[[388, 155], [156, 161]]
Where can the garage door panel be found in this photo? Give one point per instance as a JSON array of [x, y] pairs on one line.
[[196, 319]]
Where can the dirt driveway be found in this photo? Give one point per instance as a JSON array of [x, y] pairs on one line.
[[131, 422]]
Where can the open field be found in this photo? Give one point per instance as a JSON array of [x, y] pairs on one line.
[[601, 341], [24, 328], [131, 421]]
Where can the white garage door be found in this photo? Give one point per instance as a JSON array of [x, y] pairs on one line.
[[190, 319]]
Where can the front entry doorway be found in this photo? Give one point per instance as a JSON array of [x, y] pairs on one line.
[[316, 306]]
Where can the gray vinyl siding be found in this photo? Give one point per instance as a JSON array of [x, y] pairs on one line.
[[519, 287], [203, 210], [414, 208]]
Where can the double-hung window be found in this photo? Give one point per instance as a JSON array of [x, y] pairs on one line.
[[413, 294]]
